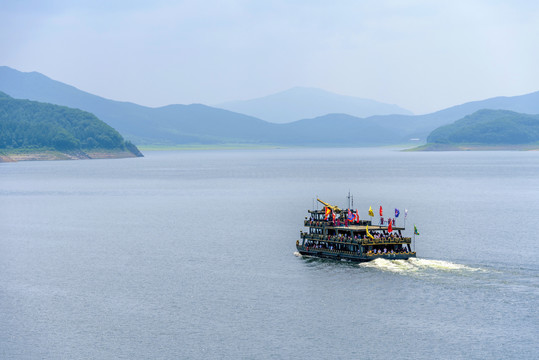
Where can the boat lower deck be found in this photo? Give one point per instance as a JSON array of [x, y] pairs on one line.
[[352, 256]]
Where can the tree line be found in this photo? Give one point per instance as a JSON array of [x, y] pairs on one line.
[[26, 124], [493, 127]]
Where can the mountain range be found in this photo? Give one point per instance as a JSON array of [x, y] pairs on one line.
[[202, 124], [304, 103]]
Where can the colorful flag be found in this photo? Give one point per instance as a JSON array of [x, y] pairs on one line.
[[328, 211], [415, 231], [369, 234], [381, 213], [389, 227], [350, 215], [397, 213], [371, 213]]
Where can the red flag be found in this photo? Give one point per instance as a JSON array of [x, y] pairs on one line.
[[389, 227], [356, 217], [328, 211], [381, 213]]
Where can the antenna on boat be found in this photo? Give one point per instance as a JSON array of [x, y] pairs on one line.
[[349, 198]]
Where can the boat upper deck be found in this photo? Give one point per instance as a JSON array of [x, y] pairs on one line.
[[363, 228], [350, 227]]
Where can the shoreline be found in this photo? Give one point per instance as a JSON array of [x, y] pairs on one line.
[[188, 147], [52, 155], [474, 147]]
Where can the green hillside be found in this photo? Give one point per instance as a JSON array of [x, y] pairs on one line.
[[27, 125], [489, 127]]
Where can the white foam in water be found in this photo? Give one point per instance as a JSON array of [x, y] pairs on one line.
[[439, 265], [414, 264], [390, 265], [410, 265]]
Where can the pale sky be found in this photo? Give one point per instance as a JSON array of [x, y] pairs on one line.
[[421, 55]]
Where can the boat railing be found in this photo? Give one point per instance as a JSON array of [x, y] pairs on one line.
[[319, 237], [354, 240], [335, 251], [316, 223], [386, 240], [321, 223], [371, 253]]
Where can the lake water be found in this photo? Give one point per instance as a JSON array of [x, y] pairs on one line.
[[191, 255]]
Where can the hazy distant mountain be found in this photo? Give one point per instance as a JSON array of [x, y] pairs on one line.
[[302, 103], [339, 130], [196, 123], [173, 124], [420, 126], [201, 124]]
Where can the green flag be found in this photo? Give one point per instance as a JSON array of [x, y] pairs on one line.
[[415, 231]]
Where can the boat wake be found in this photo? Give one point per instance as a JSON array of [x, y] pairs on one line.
[[408, 266], [510, 279], [414, 265]]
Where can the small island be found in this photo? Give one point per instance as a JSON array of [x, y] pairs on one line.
[[486, 130], [31, 130]]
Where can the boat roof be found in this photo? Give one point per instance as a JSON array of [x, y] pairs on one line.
[[364, 227]]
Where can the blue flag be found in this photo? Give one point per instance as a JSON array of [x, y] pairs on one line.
[[397, 212]]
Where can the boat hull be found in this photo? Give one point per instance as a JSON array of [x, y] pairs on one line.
[[350, 256]]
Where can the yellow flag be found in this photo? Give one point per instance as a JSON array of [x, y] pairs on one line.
[[368, 233], [371, 213]]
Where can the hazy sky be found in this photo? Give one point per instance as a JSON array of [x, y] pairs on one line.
[[420, 55]]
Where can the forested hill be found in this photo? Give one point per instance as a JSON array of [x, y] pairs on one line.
[[27, 125], [489, 127]]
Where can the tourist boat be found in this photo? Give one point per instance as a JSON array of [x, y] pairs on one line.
[[340, 234]]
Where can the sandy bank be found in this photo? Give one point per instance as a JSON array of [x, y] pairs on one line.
[[14, 156]]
